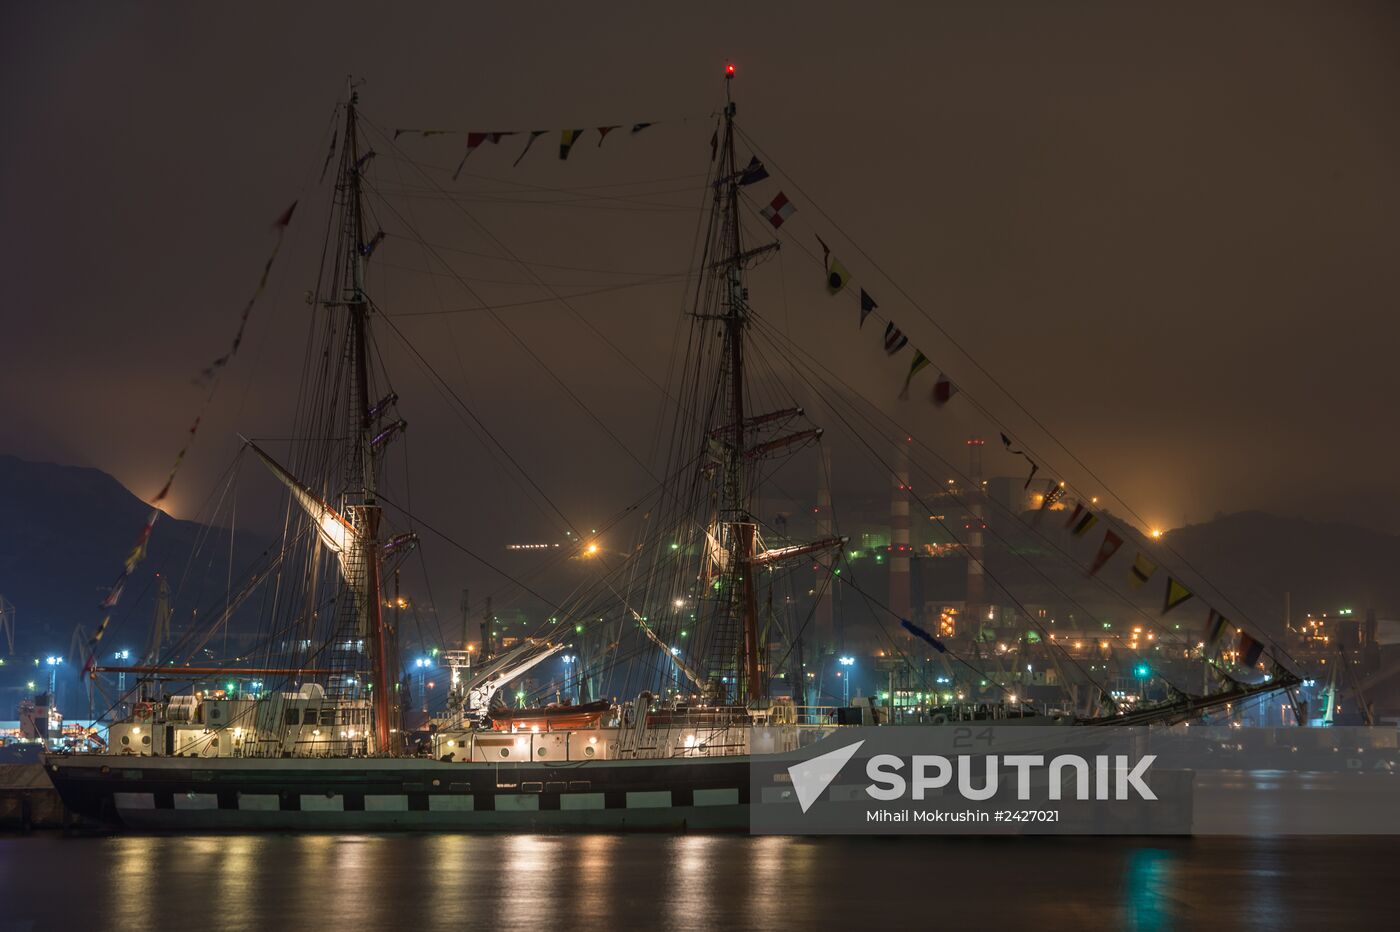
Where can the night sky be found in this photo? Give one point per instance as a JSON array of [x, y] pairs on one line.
[[1170, 233]]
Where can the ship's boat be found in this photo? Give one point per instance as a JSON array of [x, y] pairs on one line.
[[557, 717]]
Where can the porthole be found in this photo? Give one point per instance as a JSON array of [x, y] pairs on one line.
[[126, 739], [505, 752], [588, 751], [145, 739], [541, 752]]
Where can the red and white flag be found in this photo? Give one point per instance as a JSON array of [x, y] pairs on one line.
[[777, 212]]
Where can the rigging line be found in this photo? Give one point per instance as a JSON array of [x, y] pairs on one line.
[[186, 646], [632, 201], [409, 188], [986, 570], [472, 414], [524, 345], [561, 299], [829, 580], [422, 558], [547, 265], [644, 208], [1000, 387], [399, 155], [383, 264], [1155, 622], [408, 485], [872, 602], [584, 320], [457, 354], [494, 448], [962, 545], [548, 370], [1149, 619], [949, 466], [657, 492], [558, 609], [581, 593]]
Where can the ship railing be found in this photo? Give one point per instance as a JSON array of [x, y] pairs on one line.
[[694, 738], [817, 714], [274, 747]]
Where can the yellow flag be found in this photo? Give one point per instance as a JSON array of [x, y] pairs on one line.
[[1141, 571], [1176, 594], [567, 140], [836, 276]]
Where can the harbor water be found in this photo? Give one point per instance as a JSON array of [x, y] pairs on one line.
[[685, 882]]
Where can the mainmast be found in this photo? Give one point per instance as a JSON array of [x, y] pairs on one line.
[[364, 595], [743, 532]]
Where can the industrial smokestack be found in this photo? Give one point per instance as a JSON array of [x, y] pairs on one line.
[[976, 499], [900, 550]]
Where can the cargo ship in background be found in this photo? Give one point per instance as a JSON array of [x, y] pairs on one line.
[[309, 730]]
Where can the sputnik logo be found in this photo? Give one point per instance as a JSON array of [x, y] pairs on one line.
[[811, 778]]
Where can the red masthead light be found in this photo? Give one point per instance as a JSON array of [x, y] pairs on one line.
[[729, 70]]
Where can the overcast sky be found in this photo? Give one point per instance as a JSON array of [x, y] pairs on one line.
[[1169, 231]]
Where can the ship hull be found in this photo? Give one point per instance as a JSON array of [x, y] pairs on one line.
[[370, 794]]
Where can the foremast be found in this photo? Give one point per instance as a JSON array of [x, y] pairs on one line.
[[361, 615]]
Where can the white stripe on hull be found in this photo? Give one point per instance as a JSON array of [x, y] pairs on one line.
[[696, 818], [127, 801], [582, 801], [441, 803], [322, 803], [196, 801], [259, 802], [374, 803]]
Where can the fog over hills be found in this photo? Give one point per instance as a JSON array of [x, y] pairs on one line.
[[64, 531], [1257, 558]]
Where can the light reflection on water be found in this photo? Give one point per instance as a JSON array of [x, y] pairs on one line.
[[686, 882]]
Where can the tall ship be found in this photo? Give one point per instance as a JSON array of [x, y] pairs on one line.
[[693, 629]]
